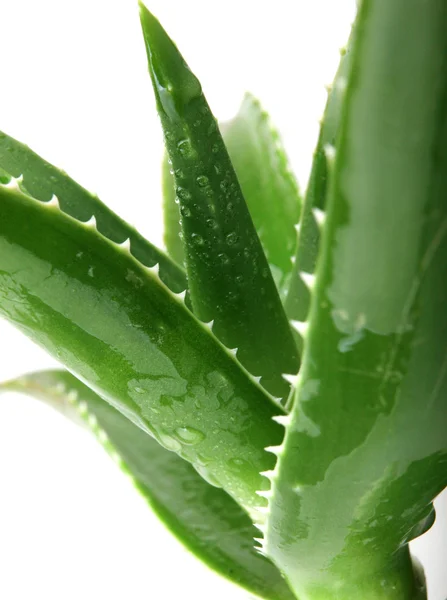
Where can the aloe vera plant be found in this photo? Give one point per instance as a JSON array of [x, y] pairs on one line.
[[275, 382]]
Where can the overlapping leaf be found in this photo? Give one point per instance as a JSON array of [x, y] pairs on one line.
[[117, 327], [268, 185], [228, 274], [365, 451], [208, 521]]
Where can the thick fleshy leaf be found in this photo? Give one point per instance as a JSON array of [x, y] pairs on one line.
[[117, 327], [268, 185], [228, 274], [365, 450], [43, 181], [298, 297], [204, 518]]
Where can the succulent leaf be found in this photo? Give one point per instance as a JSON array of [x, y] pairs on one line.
[[204, 518], [268, 185], [365, 452], [228, 274], [117, 327], [43, 181]]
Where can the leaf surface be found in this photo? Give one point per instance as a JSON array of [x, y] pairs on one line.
[[228, 274], [268, 185], [43, 181], [204, 518], [115, 325], [365, 450]]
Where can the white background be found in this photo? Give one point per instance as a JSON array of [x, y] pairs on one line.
[[74, 86]]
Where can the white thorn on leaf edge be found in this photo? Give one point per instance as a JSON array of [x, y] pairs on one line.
[[329, 151], [91, 222], [54, 202], [125, 245], [264, 493], [297, 227], [301, 327], [276, 450], [180, 295], [264, 510], [292, 379], [319, 216], [260, 526], [268, 474], [233, 351], [308, 279], [260, 541], [13, 183], [282, 419], [154, 269]]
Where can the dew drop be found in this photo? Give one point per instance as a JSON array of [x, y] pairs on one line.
[[185, 211], [189, 435], [202, 180], [179, 174], [215, 148], [197, 239], [223, 258], [169, 442], [184, 147], [212, 224], [232, 238], [183, 193]]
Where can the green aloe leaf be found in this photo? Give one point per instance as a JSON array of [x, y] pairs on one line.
[[114, 324], [205, 519], [268, 185], [298, 298], [228, 274], [365, 450], [43, 181]]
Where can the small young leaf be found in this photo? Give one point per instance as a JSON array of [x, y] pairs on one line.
[[205, 519], [116, 326], [366, 449], [268, 184], [299, 294], [228, 274], [43, 181]]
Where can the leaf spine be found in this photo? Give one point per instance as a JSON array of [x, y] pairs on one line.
[[319, 216], [308, 279], [292, 379], [283, 420], [300, 326]]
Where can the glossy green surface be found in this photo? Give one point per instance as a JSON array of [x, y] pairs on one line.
[[43, 181], [115, 325], [365, 451], [267, 183], [228, 274], [205, 519]]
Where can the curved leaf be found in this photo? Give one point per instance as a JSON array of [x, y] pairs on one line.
[[117, 327], [228, 274], [365, 450], [43, 181], [205, 519]]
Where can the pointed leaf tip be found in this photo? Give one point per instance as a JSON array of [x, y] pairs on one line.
[[174, 84]]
